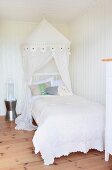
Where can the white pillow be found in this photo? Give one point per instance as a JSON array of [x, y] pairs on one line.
[[51, 79], [57, 83], [63, 91]]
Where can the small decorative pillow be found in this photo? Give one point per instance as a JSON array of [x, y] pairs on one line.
[[34, 90], [52, 90], [63, 91], [42, 88], [39, 89]]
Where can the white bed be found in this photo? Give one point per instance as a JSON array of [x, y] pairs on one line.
[[67, 124]]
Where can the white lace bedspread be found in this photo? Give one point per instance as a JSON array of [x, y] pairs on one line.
[[67, 124]]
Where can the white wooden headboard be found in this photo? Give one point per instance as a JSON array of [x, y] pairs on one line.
[[43, 76]]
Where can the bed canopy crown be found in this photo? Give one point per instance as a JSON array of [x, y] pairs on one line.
[[45, 35]]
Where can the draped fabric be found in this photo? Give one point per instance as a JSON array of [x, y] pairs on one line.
[[24, 121], [34, 60], [61, 58]]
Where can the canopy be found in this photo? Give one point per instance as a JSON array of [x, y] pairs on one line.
[[46, 33], [44, 43]]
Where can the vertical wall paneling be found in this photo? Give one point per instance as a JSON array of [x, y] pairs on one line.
[[91, 35]]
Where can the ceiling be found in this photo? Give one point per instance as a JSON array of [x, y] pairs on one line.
[[34, 10]]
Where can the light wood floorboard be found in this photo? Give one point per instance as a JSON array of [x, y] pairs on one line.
[[17, 153]]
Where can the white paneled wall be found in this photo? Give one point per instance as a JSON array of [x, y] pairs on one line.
[[12, 34], [10, 66], [91, 36]]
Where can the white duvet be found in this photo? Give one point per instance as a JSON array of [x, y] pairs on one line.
[[67, 124]]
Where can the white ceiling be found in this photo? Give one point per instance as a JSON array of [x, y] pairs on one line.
[[34, 10]]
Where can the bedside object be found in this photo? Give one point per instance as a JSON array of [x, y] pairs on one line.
[[10, 89], [10, 110]]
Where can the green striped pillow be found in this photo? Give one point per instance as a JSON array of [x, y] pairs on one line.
[[42, 88]]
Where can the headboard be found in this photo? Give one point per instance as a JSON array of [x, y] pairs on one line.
[[43, 76]]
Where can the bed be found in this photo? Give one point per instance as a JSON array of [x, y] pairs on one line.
[[66, 124]]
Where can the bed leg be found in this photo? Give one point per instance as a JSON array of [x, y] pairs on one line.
[[33, 122]]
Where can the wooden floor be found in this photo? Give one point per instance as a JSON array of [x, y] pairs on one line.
[[17, 153]]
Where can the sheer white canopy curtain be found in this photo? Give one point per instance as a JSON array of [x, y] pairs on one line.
[[33, 60], [61, 57]]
